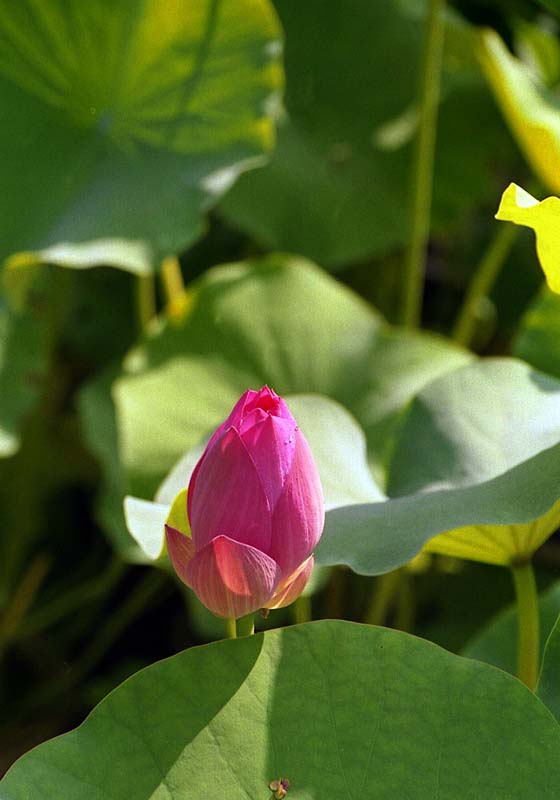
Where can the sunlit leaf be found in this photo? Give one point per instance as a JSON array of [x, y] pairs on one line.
[[498, 544], [477, 448], [532, 115], [395, 717], [375, 538], [543, 217], [127, 121]]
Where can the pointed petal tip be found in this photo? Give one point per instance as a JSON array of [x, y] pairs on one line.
[[290, 589]]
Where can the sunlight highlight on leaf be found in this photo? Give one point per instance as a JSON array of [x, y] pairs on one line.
[[497, 544], [543, 217], [533, 118]]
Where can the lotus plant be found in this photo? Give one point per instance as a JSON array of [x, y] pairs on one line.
[[256, 511]]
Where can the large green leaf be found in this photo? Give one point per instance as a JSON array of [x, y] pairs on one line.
[[497, 643], [128, 119], [376, 538], [477, 448], [538, 339], [474, 424], [339, 710], [344, 147], [548, 688], [23, 361], [278, 320]]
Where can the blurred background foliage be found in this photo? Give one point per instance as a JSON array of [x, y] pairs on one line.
[[156, 141]]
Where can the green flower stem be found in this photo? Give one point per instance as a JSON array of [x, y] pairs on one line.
[[146, 300], [246, 625], [172, 279], [231, 628], [482, 282], [528, 623], [385, 589], [301, 610], [423, 166]]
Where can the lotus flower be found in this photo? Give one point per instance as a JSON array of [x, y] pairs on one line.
[[256, 511]]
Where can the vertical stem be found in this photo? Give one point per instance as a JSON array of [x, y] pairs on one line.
[[302, 610], [423, 166], [482, 282], [146, 300], [528, 623], [231, 629], [384, 590], [246, 625], [172, 279]]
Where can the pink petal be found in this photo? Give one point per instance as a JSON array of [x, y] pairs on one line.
[[299, 515], [267, 400], [228, 497], [232, 579], [251, 408], [181, 550], [272, 444], [290, 589], [234, 419]]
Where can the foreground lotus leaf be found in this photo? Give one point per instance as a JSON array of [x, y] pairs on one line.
[[340, 710]]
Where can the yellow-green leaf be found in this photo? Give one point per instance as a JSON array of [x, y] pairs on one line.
[[543, 217], [177, 517], [532, 117], [497, 544]]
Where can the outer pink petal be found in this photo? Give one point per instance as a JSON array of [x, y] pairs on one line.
[[228, 498], [299, 515], [272, 445], [251, 408], [232, 579], [290, 589], [181, 551], [234, 419]]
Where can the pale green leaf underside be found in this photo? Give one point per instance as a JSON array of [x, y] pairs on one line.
[[477, 448], [377, 538], [278, 320], [226, 719]]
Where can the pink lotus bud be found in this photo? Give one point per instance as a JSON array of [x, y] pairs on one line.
[[256, 511]]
